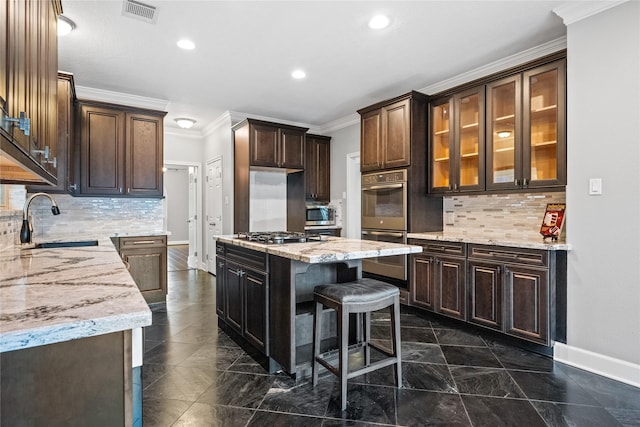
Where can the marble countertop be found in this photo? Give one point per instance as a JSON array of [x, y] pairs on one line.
[[533, 241], [332, 249], [60, 294]]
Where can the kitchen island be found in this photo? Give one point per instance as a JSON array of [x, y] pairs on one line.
[[265, 291], [70, 337]]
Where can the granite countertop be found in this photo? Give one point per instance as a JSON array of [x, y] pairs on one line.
[[331, 249], [60, 294], [533, 241]]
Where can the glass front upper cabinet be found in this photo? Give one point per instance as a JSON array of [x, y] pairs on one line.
[[457, 143], [441, 145], [544, 144], [526, 144]]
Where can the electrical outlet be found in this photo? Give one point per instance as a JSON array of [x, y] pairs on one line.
[[449, 218]]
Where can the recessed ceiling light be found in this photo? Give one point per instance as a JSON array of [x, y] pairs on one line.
[[186, 44], [379, 22], [184, 122], [298, 74], [65, 25]]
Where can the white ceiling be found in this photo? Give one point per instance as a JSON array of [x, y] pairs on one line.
[[246, 51]]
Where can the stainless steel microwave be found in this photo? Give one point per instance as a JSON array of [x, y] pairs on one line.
[[320, 215]]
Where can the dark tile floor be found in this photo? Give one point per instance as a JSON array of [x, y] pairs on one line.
[[195, 375]]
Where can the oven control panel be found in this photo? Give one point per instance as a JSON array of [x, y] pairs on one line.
[[384, 177]]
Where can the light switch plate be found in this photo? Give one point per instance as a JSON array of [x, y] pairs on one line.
[[595, 186]]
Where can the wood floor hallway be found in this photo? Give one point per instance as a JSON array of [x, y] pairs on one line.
[[177, 256]]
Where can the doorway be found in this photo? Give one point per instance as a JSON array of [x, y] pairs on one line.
[[214, 218], [182, 204]]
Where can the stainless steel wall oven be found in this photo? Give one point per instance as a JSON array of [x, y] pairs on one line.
[[384, 218]]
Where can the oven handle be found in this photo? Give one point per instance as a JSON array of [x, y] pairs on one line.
[[382, 187], [383, 233]]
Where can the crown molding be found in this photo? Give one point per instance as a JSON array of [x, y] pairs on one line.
[[575, 11], [84, 92], [182, 133], [500, 65], [341, 123]]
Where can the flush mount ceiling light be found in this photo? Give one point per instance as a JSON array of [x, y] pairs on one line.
[[65, 25], [185, 123], [504, 134], [186, 44], [298, 74], [379, 22]]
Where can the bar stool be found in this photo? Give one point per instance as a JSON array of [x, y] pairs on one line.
[[362, 297]]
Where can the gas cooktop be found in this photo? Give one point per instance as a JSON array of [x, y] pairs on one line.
[[278, 237]]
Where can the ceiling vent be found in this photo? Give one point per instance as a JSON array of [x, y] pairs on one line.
[[138, 10]]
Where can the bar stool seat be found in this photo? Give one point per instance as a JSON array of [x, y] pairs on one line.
[[361, 297]]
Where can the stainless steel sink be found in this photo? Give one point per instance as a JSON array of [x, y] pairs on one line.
[[75, 244]]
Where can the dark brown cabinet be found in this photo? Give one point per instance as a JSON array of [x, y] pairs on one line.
[[146, 258], [317, 168], [526, 132], [516, 291], [241, 292], [64, 143], [510, 291], [121, 150], [258, 145], [275, 145], [386, 133], [28, 73], [438, 278], [457, 143]]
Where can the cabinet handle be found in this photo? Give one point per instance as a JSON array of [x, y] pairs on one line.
[[120, 190], [498, 269], [143, 242], [516, 182], [455, 187], [241, 273], [128, 190], [221, 264], [525, 182]]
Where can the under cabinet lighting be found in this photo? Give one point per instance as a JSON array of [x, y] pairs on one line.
[[185, 123], [504, 134], [65, 25]]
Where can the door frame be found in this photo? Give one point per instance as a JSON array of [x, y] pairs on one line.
[[197, 262], [206, 212], [353, 214]]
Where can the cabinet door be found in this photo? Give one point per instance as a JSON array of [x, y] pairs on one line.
[[323, 171], [485, 294], [421, 292], [102, 150], [451, 287], [144, 154], [17, 68], [468, 170], [442, 146], [4, 59], [396, 135], [220, 287], [527, 302], [291, 149], [370, 142], [544, 145], [504, 134], [148, 267], [255, 326], [234, 298], [264, 147]]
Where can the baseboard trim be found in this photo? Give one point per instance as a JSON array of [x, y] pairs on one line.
[[610, 367], [178, 242]]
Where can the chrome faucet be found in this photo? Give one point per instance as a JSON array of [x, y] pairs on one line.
[[26, 230]]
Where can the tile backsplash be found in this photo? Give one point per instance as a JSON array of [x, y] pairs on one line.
[[85, 216], [498, 215]]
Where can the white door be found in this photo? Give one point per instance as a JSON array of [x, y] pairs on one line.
[[192, 261], [214, 210]]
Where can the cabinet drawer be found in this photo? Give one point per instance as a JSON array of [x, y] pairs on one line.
[[142, 242], [220, 249], [511, 255], [247, 257], [438, 247]]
